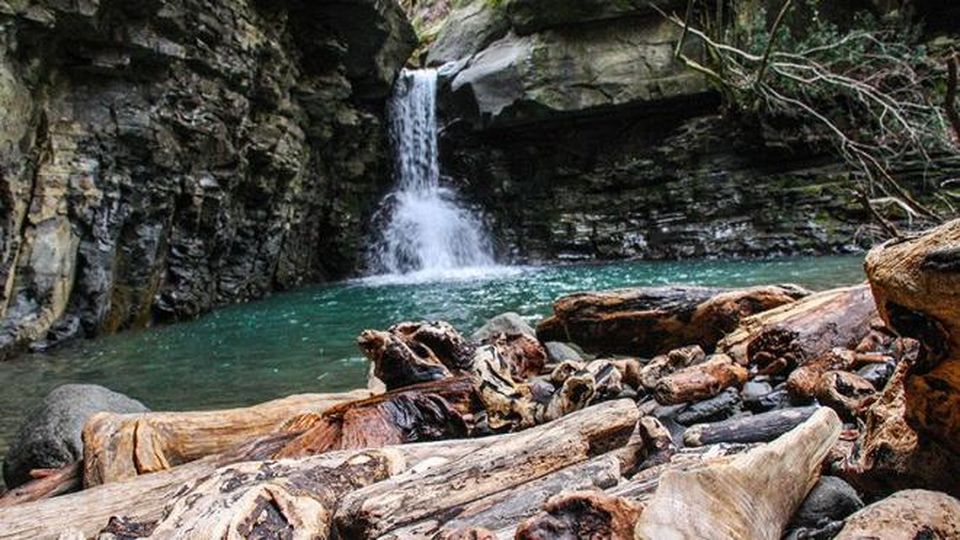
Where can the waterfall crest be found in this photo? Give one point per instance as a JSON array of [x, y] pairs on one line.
[[425, 228]]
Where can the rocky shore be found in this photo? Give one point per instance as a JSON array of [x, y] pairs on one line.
[[676, 412]]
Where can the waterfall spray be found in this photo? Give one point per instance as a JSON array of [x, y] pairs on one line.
[[426, 229]]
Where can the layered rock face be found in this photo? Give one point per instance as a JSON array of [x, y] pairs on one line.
[[160, 158], [574, 126]]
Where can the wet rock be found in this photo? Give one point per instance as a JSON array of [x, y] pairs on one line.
[[878, 374], [831, 499], [754, 394], [507, 323], [534, 15], [721, 407], [51, 436], [559, 352], [913, 513]]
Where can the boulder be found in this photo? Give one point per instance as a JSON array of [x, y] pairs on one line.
[[469, 28], [831, 499], [721, 407], [560, 352], [51, 436], [913, 513], [508, 323], [519, 79]]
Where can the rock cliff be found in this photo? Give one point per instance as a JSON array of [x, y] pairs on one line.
[[161, 157], [573, 125]]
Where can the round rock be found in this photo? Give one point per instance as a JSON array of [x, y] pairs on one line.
[[560, 352], [50, 438], [831, 499], [507, 323]]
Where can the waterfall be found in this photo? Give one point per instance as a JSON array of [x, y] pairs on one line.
[[425, 228]]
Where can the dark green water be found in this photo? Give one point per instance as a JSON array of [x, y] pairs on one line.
[[304, 341]]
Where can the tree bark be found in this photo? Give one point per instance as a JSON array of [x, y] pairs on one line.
[[122, 446], [650, 321], [779, 340], [754, 495], [376, 510]]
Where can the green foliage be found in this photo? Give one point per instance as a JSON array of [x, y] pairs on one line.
[[869, 88]]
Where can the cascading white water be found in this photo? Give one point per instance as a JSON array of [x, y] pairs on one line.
[[425, 228]]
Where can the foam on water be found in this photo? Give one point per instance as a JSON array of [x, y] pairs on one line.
[[426, 233]]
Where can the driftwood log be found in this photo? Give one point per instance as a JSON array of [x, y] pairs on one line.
[[779, 340], [429, 411], [266, 499], [911, 432], [121, 446], [408, 499], [416, 352], [753, 495], [701, 381], [650, 321], [88, 511], [46, 483], [504, 511], [916, 284], [762, 427]]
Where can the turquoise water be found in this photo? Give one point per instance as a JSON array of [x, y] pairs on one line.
[[303, 341]]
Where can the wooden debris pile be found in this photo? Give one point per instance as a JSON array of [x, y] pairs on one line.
[[692, 413]]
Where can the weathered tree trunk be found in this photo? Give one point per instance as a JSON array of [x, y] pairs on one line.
[[274, 499], [651, 321], [582, 514], [46, 483], [121, 446], [762, 427], [376, 510], [781, 339], [423, 412], [916, 284], [754, 495]]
